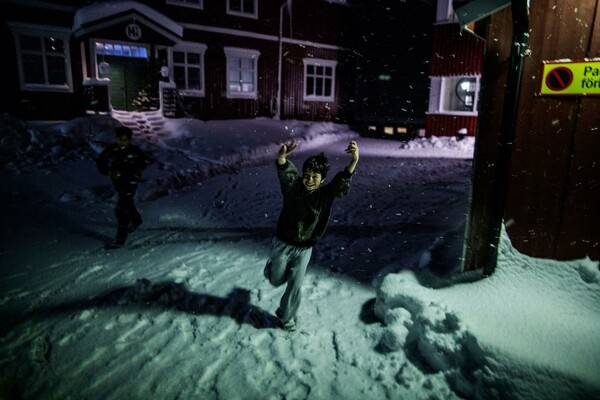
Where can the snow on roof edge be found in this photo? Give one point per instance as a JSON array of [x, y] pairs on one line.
[[98, 11]]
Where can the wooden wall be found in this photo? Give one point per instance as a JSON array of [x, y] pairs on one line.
[[454, 52], [552, 206], [448, 125]]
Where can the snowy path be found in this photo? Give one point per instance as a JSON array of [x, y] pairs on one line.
[[184, 311]]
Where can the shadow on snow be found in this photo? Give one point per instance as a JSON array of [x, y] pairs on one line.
[[169, 295]]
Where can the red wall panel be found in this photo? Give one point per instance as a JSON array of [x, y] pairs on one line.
[[448, 125], [454, 52]]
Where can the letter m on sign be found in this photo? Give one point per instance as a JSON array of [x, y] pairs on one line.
[[133, 31]]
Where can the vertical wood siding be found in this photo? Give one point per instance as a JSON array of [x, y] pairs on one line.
[[448, 125], [454, 52], [554, 178]]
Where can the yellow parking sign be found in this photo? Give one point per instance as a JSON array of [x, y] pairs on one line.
[[570, 78]]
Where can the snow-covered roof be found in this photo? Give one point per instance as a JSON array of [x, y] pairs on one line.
[[99, 11]]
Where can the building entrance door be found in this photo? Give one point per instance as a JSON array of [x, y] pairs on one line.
[[127, 72], [126, 80]]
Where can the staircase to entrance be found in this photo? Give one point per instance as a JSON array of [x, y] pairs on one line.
[[148, 125]]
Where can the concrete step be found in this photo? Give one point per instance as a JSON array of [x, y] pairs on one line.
[[148, 125]]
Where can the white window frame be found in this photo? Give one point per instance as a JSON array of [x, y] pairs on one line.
[[319, 63], [42, 32], [190, 47], [199, 5], [234, 52], [441, 88], [243, 13]]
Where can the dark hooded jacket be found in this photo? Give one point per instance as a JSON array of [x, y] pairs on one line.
[[305, 215], [129, 162]]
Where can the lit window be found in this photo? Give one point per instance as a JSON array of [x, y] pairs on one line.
[[454, 95], [43, 57], [464, 94], [187, 3], [188, 68], [319, 79], [110, 49], [243, 8], [242, 73]]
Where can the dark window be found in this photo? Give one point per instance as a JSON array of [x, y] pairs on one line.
[[319, 80], [44, 60], [247, 7], [187, 69]]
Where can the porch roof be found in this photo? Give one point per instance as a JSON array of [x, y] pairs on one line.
[[469, 11], [100, 15]]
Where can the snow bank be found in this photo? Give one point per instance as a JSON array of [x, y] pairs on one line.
[[515, 324], [34, 146], [446, 142], [186, 153]]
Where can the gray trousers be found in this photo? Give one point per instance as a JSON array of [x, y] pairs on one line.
[[287, 264]]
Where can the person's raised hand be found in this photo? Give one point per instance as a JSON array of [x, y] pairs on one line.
[[287, 148], [352, 149]]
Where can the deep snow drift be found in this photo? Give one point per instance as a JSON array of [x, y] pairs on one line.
[[184, 312]]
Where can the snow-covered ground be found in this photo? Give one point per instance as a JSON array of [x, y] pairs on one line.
[[183, 311]]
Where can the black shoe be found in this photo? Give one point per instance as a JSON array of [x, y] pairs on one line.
[[115, 244], [132, 227], [290, 325]]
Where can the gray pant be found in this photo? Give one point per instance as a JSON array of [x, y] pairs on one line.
[[287, 264]]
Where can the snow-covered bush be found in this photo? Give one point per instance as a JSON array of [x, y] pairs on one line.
[[13, 140], [147, 98], [27, 146]]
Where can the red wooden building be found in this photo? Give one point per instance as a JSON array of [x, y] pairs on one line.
[[207, 59], [455, 76]]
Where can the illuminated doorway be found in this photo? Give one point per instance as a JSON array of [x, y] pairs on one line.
[[126, 68]]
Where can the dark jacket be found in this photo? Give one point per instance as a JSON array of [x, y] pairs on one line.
[[305, 214], [130, 162]]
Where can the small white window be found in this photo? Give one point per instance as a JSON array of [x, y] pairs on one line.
[[188, 68], [242, 75], [122, 50], [43, 57], [187, 3], [456, 95], [319, 79], [243, 8]]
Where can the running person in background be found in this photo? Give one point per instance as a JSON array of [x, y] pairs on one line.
[[125, 164]]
